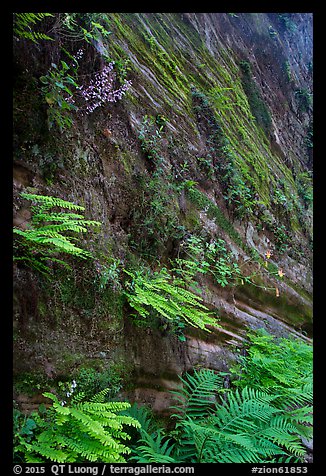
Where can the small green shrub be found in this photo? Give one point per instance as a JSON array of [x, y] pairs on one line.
[[308, 140], [96, 28], [245, 67], [58, 93], [304, 188], [161, 120], [31, 383], [304, 99], [257, 105], [150, 136], [281, 237], [272, 32], [288, 72], [220, 161], [241, 196], [90, 381], [206, 164], [221, 98], [23, 433], [109, 275], [156, 220], [281, 200], [209, 258], [89, 27], [287, 22], [202, 202]]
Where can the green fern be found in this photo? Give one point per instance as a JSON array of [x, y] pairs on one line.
[[198, 393], [155, 448], [263, 366], [194, 400], [50, 234], [263, 420], [143, 415], [166, 296], [244, 426], [152, 445], [84, 431], [240, 430], [24, 24], [262, 423]]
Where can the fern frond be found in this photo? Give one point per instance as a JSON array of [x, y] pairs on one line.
[[51, 201], [198, 393], [169, 300], [51, 454], [154, 450], [34, 263], [23, 23], [43, 238], [143, 415], [245, 426], [83, 431]]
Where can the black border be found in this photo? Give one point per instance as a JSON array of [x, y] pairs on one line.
[[6, 208]]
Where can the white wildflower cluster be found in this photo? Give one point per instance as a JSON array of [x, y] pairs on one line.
[[70, 392], [79, 54], [100, 89], [72, 388]]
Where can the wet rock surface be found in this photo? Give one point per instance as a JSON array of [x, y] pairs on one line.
[[104, 168]]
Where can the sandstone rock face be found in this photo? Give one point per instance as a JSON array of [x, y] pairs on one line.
[[193, 70]]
